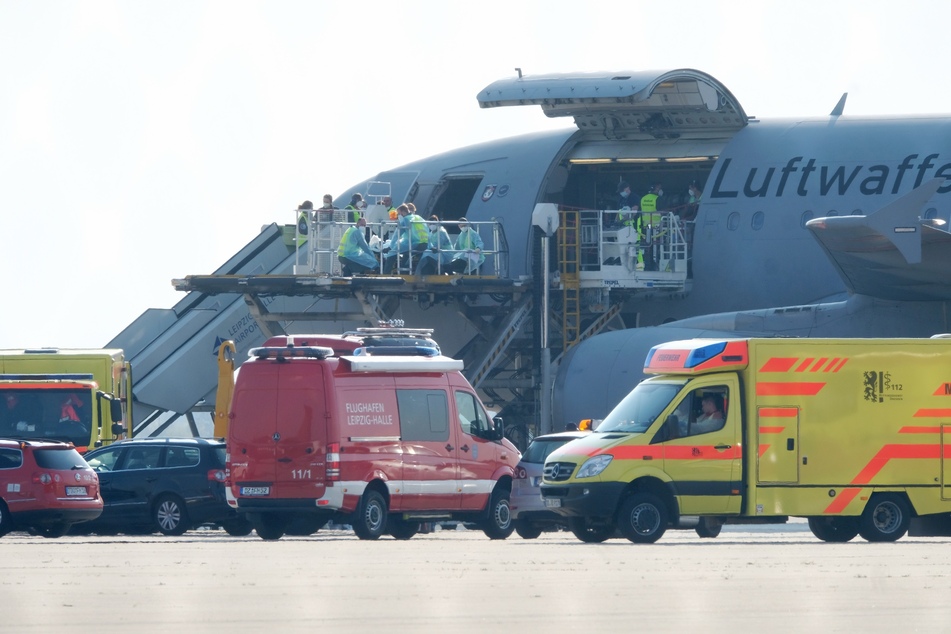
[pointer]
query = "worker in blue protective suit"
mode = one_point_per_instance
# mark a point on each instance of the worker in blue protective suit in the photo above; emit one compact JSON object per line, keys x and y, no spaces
{"x":354,"y":253}
{"x":469,"y":256}
{"x":413,"y":238}
{"x":438,"y":256}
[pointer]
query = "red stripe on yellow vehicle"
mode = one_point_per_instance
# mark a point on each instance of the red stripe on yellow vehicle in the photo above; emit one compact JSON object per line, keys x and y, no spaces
{"x":788,"y":389}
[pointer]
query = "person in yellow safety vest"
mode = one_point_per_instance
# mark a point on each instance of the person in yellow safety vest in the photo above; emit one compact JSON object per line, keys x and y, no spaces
{"x":651,"y":220}
{"x":303,"y":221}
{"x":354,"y":253}
{"x":355,"y":208}
{"x":413,"y":237}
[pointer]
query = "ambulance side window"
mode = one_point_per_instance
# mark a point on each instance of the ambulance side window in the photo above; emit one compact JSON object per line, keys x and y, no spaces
{"x":424,"y":414}
{"x":708,"y":408}
{"x":472,"y":417}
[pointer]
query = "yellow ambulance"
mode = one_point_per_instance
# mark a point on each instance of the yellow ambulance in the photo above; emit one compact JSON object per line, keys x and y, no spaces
{"x":82,"y":396}
{"x":852,"y":434}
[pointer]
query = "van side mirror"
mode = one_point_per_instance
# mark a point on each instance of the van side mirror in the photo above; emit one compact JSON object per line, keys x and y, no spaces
{"x":497,"y":429}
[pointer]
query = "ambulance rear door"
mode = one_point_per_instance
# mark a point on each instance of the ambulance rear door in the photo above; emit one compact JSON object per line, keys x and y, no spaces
{"x":279,"y":429}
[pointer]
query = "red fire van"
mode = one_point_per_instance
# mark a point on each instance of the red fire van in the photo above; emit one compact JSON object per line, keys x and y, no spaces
{"x":373,"y":428}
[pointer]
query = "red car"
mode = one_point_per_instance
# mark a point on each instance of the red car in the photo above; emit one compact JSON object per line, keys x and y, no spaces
{"x":45,"y":487}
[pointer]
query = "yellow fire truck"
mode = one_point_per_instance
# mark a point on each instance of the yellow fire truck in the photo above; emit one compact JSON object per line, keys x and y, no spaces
{"x":852,"y":434}
{"x":78,"y":396}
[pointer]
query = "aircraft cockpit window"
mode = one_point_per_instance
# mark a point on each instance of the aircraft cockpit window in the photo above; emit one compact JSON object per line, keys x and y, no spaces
{"x":733,"y":221}
{"x":757,"y":221}
{"x":806,"y":217}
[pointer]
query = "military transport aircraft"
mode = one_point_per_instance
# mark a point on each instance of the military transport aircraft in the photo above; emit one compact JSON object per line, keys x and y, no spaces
{"x":822,"y":226}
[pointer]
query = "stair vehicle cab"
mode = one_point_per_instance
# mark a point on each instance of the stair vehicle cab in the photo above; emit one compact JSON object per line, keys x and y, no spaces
{"x":373,"y":428}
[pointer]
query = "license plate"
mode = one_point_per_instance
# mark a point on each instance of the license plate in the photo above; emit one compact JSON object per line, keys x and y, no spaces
{"x":255,"y":490}
{"x":553,"y":502}
{"x":76,"y":491}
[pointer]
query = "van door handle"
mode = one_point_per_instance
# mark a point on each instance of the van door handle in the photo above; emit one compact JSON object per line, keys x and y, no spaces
{"x":283,"y":459}
{"x":449,"y":447}
{"x":722,"y":447}
{"x":464,"y":448}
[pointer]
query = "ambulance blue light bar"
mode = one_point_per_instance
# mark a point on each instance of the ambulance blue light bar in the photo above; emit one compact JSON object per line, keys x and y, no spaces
{"x":696,"y":355}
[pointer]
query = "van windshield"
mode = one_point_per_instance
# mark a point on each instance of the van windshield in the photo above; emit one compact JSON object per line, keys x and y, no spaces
{"x":640,"y":408}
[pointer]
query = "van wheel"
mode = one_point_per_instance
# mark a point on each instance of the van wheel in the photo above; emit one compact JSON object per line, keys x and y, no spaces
{"x":590,"y":533}
{"x":497,"y":522}
{"x":237,"y":527}
{"x":836,"y":530}
{"x":170,"y":516}
{"x":642,"y":518}
{"x":6,"y":522}
{"x":885,"y":519}
{"x":709,"y":527}
{"x":369,"y":520}
{"x":53,"y":531}
{"x":527,"y":530}
{"x":400,"y":528}
{"x":270,"y":526}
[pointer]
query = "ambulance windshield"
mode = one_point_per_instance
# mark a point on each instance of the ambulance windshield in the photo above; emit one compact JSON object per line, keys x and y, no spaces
{"x":640,"y":408}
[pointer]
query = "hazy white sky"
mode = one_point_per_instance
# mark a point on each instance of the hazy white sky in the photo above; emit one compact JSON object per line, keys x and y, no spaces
{"x":145,"y":141}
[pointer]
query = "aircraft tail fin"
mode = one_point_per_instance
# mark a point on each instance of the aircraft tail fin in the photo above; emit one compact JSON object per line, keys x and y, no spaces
{"x":839,"y":107}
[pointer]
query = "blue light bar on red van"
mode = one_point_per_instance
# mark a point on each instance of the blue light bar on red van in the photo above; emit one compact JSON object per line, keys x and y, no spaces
{"x":392,"y":351}
{"x":415,"y":363}
{"x":305,"y":352}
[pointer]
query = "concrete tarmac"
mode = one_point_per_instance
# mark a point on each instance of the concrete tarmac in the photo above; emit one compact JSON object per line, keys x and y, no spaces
{"x":773,"y":579}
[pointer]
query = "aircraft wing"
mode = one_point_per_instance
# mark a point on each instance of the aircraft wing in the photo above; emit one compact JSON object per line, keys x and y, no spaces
{"x":892,"y":253}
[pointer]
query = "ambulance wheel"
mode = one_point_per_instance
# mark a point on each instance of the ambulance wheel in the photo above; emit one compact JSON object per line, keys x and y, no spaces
{"x":834,"y":529}
{"x":369,"y":520}
{"x":885,"y":519}
{"x":497,"y":522}
{"x":400,"y":528}
{"x":527,"y":530}
{"x":590,"y":533}
{"x":709,"y":527}
{"x":642,"y":518}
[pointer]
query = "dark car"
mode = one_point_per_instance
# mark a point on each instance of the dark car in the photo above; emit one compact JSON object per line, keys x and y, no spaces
{"x":164,"y":484}
{"x":45,"y":487}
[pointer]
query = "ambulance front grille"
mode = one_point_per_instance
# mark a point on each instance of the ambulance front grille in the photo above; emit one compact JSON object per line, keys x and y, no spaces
{"x":558,"y":471}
